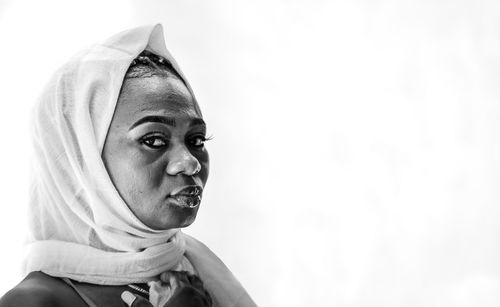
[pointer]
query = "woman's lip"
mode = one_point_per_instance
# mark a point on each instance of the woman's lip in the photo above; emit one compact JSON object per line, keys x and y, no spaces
{"x":190,"y":190}
{"x":185,"y":201}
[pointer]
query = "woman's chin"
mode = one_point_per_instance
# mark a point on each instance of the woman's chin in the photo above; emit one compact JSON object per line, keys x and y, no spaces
{"x":176,"y":218}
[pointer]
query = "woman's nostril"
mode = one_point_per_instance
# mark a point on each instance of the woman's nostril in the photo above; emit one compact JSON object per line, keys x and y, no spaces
{"x":197,"y":169}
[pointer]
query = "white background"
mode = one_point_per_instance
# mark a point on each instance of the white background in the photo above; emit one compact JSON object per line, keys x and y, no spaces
{"x":356,"y":150}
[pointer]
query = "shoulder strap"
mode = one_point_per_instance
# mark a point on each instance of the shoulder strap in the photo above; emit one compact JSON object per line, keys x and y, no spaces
{"x":82,"y":295}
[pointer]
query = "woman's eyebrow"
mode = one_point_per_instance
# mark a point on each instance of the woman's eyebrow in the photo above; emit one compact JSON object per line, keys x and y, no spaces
{"x":169,"y":121}
{"x":197,"y":122}
{"x":155,"y":119}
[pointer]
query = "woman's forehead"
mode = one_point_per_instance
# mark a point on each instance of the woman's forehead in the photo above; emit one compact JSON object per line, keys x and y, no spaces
{"x":160,"y":94}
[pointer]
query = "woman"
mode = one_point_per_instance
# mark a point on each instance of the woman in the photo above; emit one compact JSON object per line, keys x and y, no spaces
{"x":119,"y":166}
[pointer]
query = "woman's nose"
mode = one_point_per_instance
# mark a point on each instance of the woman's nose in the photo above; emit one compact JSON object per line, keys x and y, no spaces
{"x":181,"y":161}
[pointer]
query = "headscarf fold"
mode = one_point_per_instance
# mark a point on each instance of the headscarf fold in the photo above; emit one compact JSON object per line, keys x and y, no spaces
{"x":80,"y":227}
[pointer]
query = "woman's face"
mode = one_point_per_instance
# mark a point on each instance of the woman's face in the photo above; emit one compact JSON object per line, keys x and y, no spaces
{"x":154,"y":151}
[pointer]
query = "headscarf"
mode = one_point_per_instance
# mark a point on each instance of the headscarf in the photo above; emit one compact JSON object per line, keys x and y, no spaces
{"x":79,"y":226}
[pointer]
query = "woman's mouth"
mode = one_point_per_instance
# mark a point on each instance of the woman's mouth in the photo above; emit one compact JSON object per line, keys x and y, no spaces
{"x":187,"y":197}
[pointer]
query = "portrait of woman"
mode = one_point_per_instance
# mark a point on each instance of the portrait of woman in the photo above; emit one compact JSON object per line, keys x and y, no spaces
{"x":240,"y":153}
{"x":120,"y":166}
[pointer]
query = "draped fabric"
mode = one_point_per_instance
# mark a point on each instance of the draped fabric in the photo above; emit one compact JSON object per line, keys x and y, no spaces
{"x":80,"y":227}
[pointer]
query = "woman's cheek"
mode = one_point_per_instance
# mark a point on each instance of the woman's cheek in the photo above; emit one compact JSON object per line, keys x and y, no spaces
{"x":205,"y":168}
{"x":153,"y":174}
{"x":202,"y":156}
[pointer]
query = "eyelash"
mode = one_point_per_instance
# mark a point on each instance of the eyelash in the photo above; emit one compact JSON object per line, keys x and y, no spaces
{"x":158,"y":135}
{"x":203,"y":139}
{"x":153,"y":136}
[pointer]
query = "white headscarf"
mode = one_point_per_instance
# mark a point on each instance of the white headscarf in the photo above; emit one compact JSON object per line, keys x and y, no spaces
{"x":80,"y":227}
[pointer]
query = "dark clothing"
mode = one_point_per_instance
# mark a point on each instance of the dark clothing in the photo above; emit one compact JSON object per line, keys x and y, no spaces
{"x":41,"y":290}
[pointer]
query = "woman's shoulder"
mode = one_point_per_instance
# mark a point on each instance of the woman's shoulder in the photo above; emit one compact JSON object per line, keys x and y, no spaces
{"x":41,"y":290}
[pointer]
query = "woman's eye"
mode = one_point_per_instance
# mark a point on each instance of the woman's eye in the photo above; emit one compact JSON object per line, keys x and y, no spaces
{"x":198,"y":141}
{"x":154,"y":141}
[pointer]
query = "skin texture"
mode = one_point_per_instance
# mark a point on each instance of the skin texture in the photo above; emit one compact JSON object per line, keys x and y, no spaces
{"x":151,"y":160}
